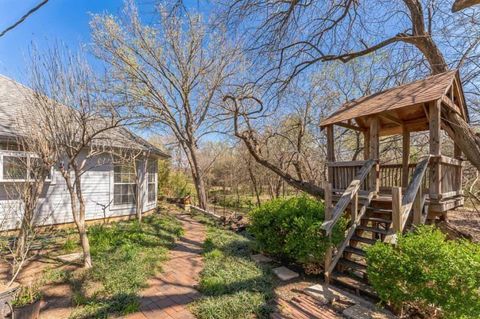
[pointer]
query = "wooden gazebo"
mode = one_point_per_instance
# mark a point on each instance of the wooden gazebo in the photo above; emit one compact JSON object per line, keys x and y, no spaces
{"x":370,"y":191}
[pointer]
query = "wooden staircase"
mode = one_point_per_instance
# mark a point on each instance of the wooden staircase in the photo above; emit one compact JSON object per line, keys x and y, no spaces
{"x":380,"y":218}
{"x":375,"y":225}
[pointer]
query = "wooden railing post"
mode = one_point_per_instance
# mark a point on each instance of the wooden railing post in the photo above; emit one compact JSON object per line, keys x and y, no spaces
{"x":417,"y":207}
{"x":328,"y":216}
{"x":397,"y":209}
{"x":354,"y":207}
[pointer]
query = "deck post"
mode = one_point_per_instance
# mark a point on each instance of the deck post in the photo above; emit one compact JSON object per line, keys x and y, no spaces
{"x":374,"y":153}
{"x":457,"y":154}
{"x":366,"y":144}
{"x":397,"y":209}
{"x":354,"y":207}
{"x":328,"y":215}
{"x":405,"y":155}
{"x":417,"y":208}
{"x":435,"y":149}
{"x":330,"y":151}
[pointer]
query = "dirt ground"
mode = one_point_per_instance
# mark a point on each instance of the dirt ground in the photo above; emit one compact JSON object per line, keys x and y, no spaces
{"x":56,"y":297}
{"x":467,"y":221}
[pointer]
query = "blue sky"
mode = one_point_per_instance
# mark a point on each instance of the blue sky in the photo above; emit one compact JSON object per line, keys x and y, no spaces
{"x":62,"y":20}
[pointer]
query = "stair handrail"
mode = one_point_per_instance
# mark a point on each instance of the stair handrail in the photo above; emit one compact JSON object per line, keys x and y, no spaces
{"x":413,"y":193}
{"x":330,"y":266}
{"x":347,"y":196}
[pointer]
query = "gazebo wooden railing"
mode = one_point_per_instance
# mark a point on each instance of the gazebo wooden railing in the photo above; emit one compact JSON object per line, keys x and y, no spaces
{"x":390,"y":175}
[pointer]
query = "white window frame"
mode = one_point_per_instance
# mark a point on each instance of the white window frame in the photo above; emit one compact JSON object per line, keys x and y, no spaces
{"x":155,"y":183}
{"x":112,"y":190}
{"x":28,"y":155}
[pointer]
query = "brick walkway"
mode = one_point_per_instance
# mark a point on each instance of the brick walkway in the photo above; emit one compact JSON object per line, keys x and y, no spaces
{"x":302,"y":307}
{"x":170,"y":292}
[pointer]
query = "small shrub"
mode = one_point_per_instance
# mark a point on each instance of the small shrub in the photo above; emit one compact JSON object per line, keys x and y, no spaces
{"x":27,"y":295}
{"x":292,"y":228}
{"x":70,"y":245}
{"x":425,"y":270}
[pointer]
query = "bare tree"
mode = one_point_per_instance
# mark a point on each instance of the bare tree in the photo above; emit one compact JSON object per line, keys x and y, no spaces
{"x":73,"y":116}
{"x":290,"y":37}
{"x":170,"y":72}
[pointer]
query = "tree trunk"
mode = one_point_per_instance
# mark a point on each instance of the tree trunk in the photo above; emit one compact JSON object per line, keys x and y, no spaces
{"x":138,"y":199}
{"x":254,"y":181}
{"x":191,"y":151}
{"x":82,"y":231}
{"x":78,"y":211}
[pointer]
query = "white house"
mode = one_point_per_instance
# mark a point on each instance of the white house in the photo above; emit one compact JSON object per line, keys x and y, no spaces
{"x":109,"y":188}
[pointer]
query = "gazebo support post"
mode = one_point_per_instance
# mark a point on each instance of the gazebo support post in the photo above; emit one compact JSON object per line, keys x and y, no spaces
{"x":405,"y":155}
{"x":330,"y":151}
{"x":374,"y":152}
{"x":435,"y":149}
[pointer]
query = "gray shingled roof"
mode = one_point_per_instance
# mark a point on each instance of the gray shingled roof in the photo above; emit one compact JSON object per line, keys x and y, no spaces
{"x":14,"y":103}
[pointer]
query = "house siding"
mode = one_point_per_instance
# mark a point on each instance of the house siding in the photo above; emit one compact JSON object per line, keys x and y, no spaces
{"x":54,"y":204}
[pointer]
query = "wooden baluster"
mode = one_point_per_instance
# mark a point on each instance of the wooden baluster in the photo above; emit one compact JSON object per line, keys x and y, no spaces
{"x":397,"y":209}
{"x":328,"y":215}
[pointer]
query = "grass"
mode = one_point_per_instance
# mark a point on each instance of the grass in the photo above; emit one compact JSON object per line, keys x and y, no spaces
{"x":233,"y":285}
{"x":125,"y":255}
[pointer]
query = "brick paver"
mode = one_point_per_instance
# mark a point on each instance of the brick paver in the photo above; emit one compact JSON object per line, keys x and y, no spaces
{"x":169,"y":293}
{"x":302,"y":306}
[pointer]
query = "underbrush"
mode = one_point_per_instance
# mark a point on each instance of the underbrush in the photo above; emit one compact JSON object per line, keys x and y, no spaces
{"x":124,"y":255}
{"x":427,"y":272}
{"x":233,"y":286}
{"x":292,"y":228}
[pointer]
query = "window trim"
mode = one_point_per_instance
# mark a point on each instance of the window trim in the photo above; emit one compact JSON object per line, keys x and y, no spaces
{"x":28,"y":155}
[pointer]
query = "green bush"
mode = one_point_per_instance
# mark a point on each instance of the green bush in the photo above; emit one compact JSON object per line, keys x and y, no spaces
{"x":292,"y":228}
{"x":426,"y":270}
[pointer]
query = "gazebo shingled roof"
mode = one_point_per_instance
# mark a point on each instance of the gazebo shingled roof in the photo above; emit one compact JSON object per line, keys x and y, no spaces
{"x":401,"y":104}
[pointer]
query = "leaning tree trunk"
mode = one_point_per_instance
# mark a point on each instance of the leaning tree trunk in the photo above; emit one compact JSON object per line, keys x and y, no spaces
{"x":200,"y":189}
{"x":456,"y":126}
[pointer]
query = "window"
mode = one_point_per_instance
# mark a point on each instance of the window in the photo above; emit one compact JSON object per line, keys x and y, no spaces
{"x":152,"y":181}
{"x":124,"y":186}
{"x":15,"y":167}
{"x":21,"y":166}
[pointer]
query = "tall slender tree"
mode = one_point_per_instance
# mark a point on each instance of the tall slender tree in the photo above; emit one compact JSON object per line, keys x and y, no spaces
{"x":170,"y":73}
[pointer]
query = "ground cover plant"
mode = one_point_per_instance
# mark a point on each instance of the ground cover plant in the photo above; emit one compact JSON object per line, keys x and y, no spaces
{"x":125,"y":254}
{"x":233,"y":285}
{"x":291,"y":227}
{"x":427,"y":271}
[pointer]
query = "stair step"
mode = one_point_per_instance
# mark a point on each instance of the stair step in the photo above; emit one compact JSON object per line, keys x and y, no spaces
{"x":358,"y":285}
{"x":356,"y":251}
{"x":377,"y":220}
{"x":373,"y":229}
{"x":352,"y":265}
{"x":363,"y":240}
{"x":379,"y":210}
